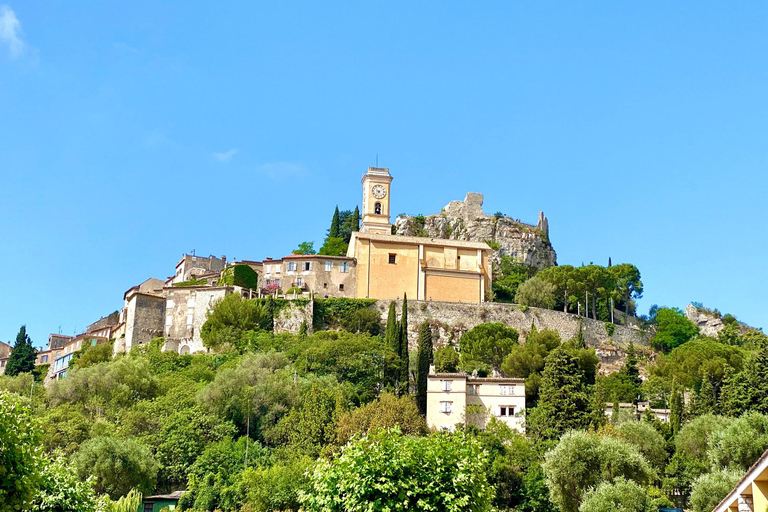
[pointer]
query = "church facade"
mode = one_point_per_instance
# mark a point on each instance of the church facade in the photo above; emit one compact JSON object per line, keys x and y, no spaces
{"x":390,"y":266}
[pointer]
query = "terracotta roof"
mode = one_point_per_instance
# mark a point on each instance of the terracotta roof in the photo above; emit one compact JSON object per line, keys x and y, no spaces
{"x":315,"y":257}
{"x":462,"y":375}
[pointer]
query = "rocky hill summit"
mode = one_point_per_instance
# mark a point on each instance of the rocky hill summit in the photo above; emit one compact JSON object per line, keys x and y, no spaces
{"x":465,"y":220}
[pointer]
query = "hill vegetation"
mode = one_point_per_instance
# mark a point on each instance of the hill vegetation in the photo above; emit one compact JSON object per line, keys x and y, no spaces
{"x":334,"y":419}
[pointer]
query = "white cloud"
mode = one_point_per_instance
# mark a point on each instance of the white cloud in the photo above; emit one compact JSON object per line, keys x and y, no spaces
{"x":279,"y":171}
{"x":10,"y":32}
{"x":225,"y":156}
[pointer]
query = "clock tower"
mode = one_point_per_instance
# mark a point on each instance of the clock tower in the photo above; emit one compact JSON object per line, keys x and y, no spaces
{"x":376,"y":185}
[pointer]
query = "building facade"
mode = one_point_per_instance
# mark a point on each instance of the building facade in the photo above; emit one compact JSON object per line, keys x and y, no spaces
{"x":458,"y":398}
{"x":325,"y":276}
{"x":194,"y":266}
{"x":186,"y":310}
{"x":390,"y":266}
{"x":63,"y":355}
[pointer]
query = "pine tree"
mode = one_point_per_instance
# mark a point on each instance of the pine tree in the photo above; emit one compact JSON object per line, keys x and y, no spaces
{"x":677,"y":409}
{"x":334,"y":231}
{"x":22,"y":358}
{"x":563,"y":403}
{"x":704,"y":401}
{"x":425,"y":360}
{"x":403,"y":348}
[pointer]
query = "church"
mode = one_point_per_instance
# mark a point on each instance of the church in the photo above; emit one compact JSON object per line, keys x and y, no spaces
{"x":390,"y":266}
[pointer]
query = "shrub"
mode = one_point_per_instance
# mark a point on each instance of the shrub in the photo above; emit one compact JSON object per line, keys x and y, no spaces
{"x":711,"y":488}
{"x":385,"y":412}
{"x":618,"y":496}
{"x":117,"y":465}
{"x":446,"y":359}
{"x":536,"y":292}
{"x":363,"y":321}
{"x":330,"y":312}
{"x":19,"y":459}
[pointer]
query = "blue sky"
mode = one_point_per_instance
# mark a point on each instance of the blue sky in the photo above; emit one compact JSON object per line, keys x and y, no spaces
{"x":132,"y":133}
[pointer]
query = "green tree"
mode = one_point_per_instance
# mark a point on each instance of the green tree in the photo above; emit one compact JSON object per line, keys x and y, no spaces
{"x":305,"y":248}
{"x":563,"y":404}
{"x":117,"y":465}
{"x":679,"y":476}
{"x":582,"y":460}
{"x":565,"y":279}
{"x":403,"y":347}
{"x":629,"y":287}
{"x":527,"y":361}
{"x":276,"y":487}
{"x":536,"y":292}
{"x":710,"y":489}
{"x":446,"y":359}
{"x":400,"y":473}
{"x":363,"y":321}
{"x":231,"y":319}
{"x":736,"y":393}
{"x":20,"y":464}
{"x":598,"y":282}
{"x":333,"y":232}
{"x":425,"y":360}
{"x":334,"y":247}
{"x":672,"y":329}
{"x":22,"y":358}
{"x":508,"y":275}
{"x":620,"y":495}
{"x":630,"y":366}
{"x":693,"y":438}
{"x":392,"y":339}
{"x":62,"y":490}
{"x":648,"y":441}
{"x":387,"y":411}
{"x":740,"y":443}
{"x":486,"y":344}
{"x":757,"y":375}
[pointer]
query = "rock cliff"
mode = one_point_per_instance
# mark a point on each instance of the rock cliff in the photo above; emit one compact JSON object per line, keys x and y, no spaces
{"x":465,"y":220}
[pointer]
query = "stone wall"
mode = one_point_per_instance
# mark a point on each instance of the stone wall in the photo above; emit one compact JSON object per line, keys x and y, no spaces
{"x":144,"y":319}
{"x":451,"y":320}
{"x":289,"y":318}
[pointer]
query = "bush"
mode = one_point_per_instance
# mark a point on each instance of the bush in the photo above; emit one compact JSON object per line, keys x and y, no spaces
{"x":582,"y":460}
{"x":673,"y":329}
{"x":363,"y":321}
{"x":740,"y":443}
{"x":486,"y":344}
{"x":387,"y":411}
{"x":330,"y":312}
{"x":537,"y":293}
{"x":117,"y":465}
{"x":694,"y":436}
{"x":231,"y":318}
{"x":277,"y":487}
{"x":19,"y":457}
{"x":446,"y":359}
{"x":618,"y":496}
{"x":710,"y":489}
{"x":390,"y":471}
{"x":240,"y":275}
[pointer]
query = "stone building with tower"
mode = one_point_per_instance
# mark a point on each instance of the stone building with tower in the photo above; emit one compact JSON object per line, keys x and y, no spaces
{"x":390,"y":266}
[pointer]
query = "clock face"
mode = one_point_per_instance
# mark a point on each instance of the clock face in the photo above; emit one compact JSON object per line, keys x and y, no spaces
{"x":378,"y":191}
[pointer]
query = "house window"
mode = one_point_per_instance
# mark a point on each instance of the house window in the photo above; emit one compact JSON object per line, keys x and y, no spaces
{"x":446,"y":407}
{"x":148,"y":507}
{"x":345,"y":267}
{"x":307,"y":266}
{"x":507,"y":390}
{"x":45,"y":359}
{"x":341,"y":287}
{"x":327,"y":266}
{"x":2,"y":363}
{"x":299,"y":282}
{"x":291,"y":266}
{"x":472,"y":389}
{"x":506,"y":410}
{"x":392,"y":258}
{"x":325,"y":285}
{"x":446,"y":385}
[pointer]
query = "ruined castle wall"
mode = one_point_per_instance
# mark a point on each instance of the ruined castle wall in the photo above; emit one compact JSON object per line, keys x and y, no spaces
{"x":289,"y":318}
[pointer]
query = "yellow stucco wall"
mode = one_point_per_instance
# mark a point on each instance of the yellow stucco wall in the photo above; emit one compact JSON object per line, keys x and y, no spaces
{"x":452,"y":288}
{"x":379,"y":279}
{"x":759,"y":495}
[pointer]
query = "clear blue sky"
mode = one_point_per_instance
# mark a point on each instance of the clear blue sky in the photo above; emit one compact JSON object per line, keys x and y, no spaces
{"x":132,"y":133}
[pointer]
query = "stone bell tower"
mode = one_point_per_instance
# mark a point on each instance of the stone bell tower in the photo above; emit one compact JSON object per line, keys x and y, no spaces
{"x":376,"y":186}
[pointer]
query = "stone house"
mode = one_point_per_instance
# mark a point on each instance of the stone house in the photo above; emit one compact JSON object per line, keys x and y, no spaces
{"x":143,"y":315}
{"x":325,"y":276}
{"x":194,"y":266}
{"x":5,"y":353}
{"x":63,"y":355}
{"x":186,"y":309}
{"x":458,"y":398}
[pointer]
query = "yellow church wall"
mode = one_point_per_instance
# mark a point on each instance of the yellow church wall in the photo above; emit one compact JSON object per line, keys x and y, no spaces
{"x":759,"y":495}
{"x":452,"y":288}
{"x":377,"y":278}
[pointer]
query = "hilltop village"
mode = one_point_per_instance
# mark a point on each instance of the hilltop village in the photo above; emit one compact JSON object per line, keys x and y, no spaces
{"x":246,"y":385}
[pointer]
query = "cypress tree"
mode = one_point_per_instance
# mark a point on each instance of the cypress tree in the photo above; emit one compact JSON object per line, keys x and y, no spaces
{"x":22,"y":358}
{"x":580,"y":341}
{"x":615,"y":412}
{"x":757,"y":376}
{"x":392,"y":340}
{"x":677,"y":409}
{"x":334,"y":231}
{"x":425,"y":359}
{"x":630,"y":367}
{"x":356,"y":219}
{"x":735,"y":394}
{"x":563,"y":403}
{"x":404,"y":347}
{"x":704,"y":401}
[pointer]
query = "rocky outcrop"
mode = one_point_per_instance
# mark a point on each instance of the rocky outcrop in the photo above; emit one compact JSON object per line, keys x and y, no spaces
{"x":465,"y":220}
{"x":710,"y":322}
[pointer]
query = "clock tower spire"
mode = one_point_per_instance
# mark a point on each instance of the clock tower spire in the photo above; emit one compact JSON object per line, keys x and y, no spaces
{"x":376,"y":186}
